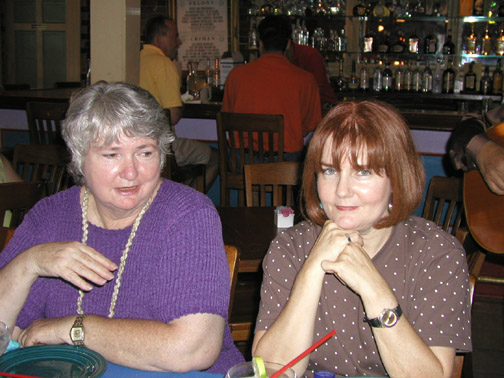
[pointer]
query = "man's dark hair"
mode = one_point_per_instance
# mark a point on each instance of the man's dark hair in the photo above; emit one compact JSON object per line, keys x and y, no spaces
{"x":156,"y":25}
{"x":275,"y":32}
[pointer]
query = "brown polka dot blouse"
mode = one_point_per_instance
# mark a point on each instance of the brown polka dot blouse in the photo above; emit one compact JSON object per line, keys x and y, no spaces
{"x":425,"y":267}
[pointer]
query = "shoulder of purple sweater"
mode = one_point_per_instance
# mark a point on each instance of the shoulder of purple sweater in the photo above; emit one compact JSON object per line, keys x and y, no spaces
{"x":179,"y":197}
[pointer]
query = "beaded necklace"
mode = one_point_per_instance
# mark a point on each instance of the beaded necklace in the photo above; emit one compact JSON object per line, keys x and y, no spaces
{"x":124,"y":256}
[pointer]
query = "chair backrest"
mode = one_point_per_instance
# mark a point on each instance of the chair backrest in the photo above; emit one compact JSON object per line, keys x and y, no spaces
{"x":234,"y":131}
{"x":44,"y":121}
{"x":444,"y":203}
{"x":5,"y":236}
{"x":18,"y":198}
{"x":43,"y":163}
{"x":233,"y":256}
{"x":460,"y":357}
{"x":279,"y":179}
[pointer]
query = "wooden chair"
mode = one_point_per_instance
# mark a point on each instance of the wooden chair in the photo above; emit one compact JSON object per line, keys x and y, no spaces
{"x":44,"y":121}
{"x":18,"y":198}
{"x":240,"y":331}
{"x":233,"y":256}
{"x":279,"y":179}
{"x":45,"y":162}
{"x":236,"y":151}
{"x":192,"y":174}
{"x":6,"y":234}
{"x":444,"y":203}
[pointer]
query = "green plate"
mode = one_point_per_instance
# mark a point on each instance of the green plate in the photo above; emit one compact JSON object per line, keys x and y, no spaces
{"x":54,"y":361}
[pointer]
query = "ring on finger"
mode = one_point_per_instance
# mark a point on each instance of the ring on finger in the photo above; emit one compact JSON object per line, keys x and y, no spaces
{"x":348,"y":238}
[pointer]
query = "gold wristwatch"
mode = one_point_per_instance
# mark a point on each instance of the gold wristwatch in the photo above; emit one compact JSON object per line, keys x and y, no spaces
{"x":77,"y":331}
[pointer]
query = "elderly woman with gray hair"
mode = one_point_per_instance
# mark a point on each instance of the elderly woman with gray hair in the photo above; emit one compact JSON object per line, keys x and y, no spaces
{"x":127,"y":264}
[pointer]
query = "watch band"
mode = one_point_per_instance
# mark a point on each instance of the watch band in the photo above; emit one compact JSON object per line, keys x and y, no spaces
{"x":77,"y":331}
{"x":388,"y":318}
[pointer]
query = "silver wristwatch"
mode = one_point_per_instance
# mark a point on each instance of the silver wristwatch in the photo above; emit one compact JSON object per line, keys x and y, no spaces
{"x":388,"y":318}
{"x":77,"y":331}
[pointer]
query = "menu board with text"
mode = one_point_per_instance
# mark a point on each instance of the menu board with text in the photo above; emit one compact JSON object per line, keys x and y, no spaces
{"x":203,"y":30}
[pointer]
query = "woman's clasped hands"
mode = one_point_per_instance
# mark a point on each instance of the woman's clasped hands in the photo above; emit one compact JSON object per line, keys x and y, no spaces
{"x":346,"y":259}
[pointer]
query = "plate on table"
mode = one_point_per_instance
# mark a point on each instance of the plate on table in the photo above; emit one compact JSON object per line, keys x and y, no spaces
{"x":54,"y":361}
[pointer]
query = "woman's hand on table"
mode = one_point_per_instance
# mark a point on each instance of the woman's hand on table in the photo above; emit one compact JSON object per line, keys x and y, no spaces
{"x":47,"y":331}
{"x":72,"y":261}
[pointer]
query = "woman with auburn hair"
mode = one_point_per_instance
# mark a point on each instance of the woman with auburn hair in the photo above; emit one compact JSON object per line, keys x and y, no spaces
{"x":395,"y":287}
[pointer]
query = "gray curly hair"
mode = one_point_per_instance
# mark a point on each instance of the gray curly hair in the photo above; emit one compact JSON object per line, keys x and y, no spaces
{"x":106,"y":111}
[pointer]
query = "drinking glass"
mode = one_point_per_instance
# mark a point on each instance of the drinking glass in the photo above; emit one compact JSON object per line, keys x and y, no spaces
{"x":4,"y":337}
{"x":246,"y":370}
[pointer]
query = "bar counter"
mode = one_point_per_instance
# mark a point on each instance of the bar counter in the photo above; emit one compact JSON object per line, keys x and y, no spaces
{"x":436,"y":112}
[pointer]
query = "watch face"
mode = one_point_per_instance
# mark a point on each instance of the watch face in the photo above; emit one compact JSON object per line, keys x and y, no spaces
{"x":77,"y":334}
{"x":389,"y":318}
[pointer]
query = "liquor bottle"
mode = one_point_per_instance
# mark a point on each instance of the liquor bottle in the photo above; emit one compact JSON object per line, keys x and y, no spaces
{"x":377,"y":79}
{"x":486,"y":82}
{"x":331,"y":46}
{"x":400,"y":45}
{"x":209,"y":74}
{"x":380,"y":10}
{"x":368,"y":43}
{"x":437,"y":78}
{"x":364,"y":78}
{"x":449,"y":46}
{"x":499,"y":45}
{"x":192,"y":78}
{"x":360,"y":10}
{"x":427,"y":79}
{"x":417,"y":78}
{"x":471,"y":42}
{"x":486,"y":43}
{"x":408,"y":78}
{"x":387,"y":79}
{"x":253,"y":40}
{"x":431,"y":44}
{"x":342,"y":41}
{"x":384,"y":45}
{"x":470,"y":79}
{"x":449,"y":78}
{"x":399,"y":79}
{"x":216,"y":73}
{"x":340,"y":83}
{"x":413,"y":44}
{"x":353,"y":82}
{"x":497,"y":79}
{"x":478,"y":7}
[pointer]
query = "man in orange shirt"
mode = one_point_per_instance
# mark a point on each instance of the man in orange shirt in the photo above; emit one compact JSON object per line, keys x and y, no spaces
{"x":273,"y":85}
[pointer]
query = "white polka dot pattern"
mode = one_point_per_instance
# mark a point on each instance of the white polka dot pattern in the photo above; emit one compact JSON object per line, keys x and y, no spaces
{"x":425,"y":267}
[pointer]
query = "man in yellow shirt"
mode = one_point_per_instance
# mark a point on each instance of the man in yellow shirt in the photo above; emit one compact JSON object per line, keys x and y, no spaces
{"x":161,"y":77}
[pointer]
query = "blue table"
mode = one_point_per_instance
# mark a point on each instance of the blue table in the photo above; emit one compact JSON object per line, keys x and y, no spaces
{"x":115,"y":371}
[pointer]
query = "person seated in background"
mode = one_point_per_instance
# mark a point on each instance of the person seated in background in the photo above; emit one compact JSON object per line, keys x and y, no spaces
{"x":310,"y":59}
{"x":273,"y":85}
{"x":161,"y":77}
{"x":394,"y":286}
{"x":469,"y":147}
{"x":127,"y":264}
{"x":7,"y":171}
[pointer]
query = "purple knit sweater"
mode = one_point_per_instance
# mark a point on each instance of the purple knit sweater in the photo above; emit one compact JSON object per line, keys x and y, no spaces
{"x":176,"y":265}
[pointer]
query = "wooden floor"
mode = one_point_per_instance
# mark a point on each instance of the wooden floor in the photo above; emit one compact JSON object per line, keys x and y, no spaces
{"x":486,"y":361}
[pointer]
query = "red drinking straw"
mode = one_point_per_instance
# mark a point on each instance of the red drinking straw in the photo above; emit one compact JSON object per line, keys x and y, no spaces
{"x":305,"y":353}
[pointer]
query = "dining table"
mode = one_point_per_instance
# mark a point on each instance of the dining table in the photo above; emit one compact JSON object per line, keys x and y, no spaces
{"x":251,"y":230}
{"x":115,"y":371}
